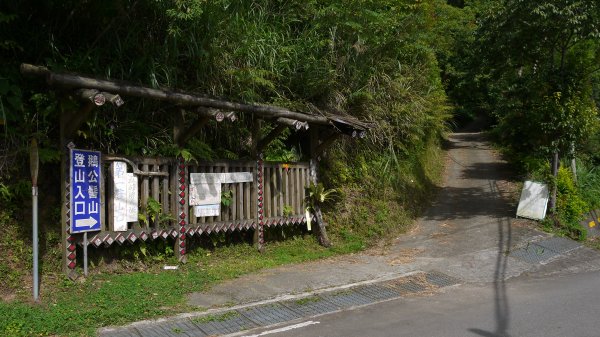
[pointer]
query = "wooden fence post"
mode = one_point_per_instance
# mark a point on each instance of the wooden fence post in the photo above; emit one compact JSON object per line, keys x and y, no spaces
{"x":182,"y":206}
{"x":320,"y":228}
{"x":257,"y":187}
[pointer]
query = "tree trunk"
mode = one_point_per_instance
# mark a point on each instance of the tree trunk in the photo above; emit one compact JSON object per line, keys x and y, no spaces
{"x":320,"y":228}
{"x":555,"y":164}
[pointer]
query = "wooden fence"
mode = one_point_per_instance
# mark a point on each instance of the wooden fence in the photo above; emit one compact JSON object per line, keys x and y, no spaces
{"x":282,"y":189}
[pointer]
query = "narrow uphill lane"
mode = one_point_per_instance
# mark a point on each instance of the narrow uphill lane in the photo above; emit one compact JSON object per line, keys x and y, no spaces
{"x":472,"y":219}
{"x":468,"y":268}
{"x":514,"y":279}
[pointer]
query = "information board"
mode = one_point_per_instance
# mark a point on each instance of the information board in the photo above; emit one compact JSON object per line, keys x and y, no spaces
{"x":205,"y":190}
{"x":125,"y":201}
{"x":85,"y":191}
{"x":534,"y":201}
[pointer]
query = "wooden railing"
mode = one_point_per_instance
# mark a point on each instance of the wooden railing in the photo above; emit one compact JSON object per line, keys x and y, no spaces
{"x":243,"y":203}
{"x":283,"y":189}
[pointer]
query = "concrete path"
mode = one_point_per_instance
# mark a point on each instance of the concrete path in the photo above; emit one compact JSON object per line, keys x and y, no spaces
{"x":469,"y":234}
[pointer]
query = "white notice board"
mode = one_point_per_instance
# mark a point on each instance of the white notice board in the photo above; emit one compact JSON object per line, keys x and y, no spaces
{"x":205,"y":190}
{"x":534,"y":201}
{"x":125,"y":187}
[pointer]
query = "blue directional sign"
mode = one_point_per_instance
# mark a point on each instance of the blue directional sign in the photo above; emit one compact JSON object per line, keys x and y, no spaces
{"x":85,"y":191}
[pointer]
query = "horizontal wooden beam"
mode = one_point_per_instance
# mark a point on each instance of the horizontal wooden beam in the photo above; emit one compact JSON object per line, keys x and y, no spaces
{"x":77,"y":81}
{"x":297,"y":125}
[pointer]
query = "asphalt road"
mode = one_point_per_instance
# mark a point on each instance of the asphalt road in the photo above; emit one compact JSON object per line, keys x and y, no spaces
{"x":468,"y":231}
{"x":555,"y":306}
{"x":469,"y":234}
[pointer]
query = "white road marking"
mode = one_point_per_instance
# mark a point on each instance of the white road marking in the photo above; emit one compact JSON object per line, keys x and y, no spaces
{"x":287,"y":328}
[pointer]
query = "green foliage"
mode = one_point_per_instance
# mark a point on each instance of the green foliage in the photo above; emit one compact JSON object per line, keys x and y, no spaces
{"x":155,"y":212}
{"x":380,"y":199}
{"x":227,"y":198}
{"x":536,"y":64}
{"x":588,"y":183}
{"x":15,"y":263}
{"x":374,"y":60}
{"x":316,"y":195}
{"x":570,"y":207}
{"x":216,"y":318}
{"x":127,"y":295}
{"x":287,"y":210}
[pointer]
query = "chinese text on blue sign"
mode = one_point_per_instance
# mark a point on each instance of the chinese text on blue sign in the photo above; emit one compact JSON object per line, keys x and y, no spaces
{"x":85,"y":191}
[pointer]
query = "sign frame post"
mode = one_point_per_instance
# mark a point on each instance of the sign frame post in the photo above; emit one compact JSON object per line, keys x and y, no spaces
{"x":85,"y":176}
{"x":34,"y":163}
{"x":86,"y":179}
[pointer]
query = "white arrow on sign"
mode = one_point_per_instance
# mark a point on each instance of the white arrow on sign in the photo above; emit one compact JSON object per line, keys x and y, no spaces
{"x":91,"y":222}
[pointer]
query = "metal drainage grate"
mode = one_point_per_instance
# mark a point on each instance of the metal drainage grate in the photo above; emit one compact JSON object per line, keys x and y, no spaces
{"x":264,"y":315}
{"x":377,"y":292}
{"x":347,"y":299}
{"x":182,"y":328}
{"x":311,"y":306}
{"x":559,"y":245}
{"x":269,"y":314}
{"x":120,"y":333}
{"x":440,"y":280}
{"x":533,"y":253}
{"x":407,"y":285}
{"x":229,"y":322}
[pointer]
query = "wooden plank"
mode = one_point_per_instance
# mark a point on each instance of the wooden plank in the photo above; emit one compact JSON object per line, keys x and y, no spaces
{"x":224,"y":216}
{"x":267,"y":192}
{"x":280,"y":173}
{"x":248,"y":196}
{"x":290,"y":189}
{"x":144,"y":194}
{"x":234,"y":204}
{"x":240,"y":198}
{"x":174,"y":186}
{"x":155,"y":191}
{"x":299,"y":190}
{"x":273,"y":186}
{"x":286,"y":187}
{"x":164,"y":193}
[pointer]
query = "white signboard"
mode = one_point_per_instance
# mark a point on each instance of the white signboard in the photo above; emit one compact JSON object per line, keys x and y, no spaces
{"x":207,"y":210}
{"x":534,"y":201}
{"x":223,"y":178}
{"x":125,"y":187}
{"x":204,"y":193}
{"x":205,"y":190}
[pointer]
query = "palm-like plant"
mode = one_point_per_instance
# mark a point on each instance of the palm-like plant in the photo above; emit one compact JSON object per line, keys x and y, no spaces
{"x":316,"y":195}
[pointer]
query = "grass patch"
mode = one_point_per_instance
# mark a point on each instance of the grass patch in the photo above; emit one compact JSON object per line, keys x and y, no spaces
{"x":306,"y":300}
{"x":133,"y":290}
{"x":79,"y":308}
{"x":216,"y":318}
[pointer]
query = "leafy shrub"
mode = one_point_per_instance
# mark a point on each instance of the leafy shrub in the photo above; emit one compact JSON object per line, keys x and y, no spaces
{"x":570,"y":207}
{"x":588,"y":181}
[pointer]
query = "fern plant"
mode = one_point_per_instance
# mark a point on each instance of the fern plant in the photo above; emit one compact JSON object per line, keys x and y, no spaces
{"x":316,"y":195}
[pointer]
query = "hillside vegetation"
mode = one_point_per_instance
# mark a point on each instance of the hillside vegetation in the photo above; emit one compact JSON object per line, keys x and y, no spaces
{"x":414,"y":68}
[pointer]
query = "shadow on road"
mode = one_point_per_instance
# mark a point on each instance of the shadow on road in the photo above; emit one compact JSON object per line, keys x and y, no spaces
{"x":501,"y":303}
{"x":468,"y":202}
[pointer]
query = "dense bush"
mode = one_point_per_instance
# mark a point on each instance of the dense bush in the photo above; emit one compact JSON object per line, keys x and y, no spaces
{"x":374,"y":60}
{"x":570,"y":207}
